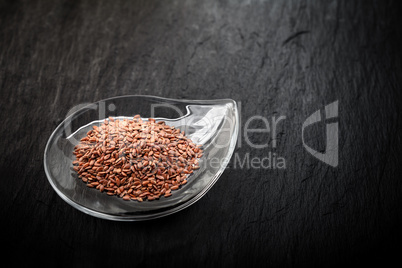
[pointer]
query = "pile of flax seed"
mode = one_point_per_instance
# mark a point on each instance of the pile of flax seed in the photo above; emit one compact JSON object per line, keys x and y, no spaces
{"x":136,"y":159}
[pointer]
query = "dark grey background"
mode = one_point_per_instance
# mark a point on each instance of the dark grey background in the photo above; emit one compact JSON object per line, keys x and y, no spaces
{"x":275,"y":58}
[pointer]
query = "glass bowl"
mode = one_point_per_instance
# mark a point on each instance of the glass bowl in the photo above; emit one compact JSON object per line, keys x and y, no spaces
{"x":212,"y":123}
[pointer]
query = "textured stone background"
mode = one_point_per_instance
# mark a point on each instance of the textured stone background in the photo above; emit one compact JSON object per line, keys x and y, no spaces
{"x":274,"y":58}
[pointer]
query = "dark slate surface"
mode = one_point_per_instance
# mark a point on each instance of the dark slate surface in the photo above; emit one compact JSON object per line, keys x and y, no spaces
{"x":275,"y":58}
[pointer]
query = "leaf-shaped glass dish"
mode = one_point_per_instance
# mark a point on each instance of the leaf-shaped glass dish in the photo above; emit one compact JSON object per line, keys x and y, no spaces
{"x":212,"y":123}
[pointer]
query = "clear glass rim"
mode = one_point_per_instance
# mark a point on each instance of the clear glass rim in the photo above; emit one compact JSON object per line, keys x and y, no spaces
{"x":156,"y":215}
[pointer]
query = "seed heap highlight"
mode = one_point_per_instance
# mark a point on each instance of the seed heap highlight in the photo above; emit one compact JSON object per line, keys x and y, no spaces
{"x":136,"y":159}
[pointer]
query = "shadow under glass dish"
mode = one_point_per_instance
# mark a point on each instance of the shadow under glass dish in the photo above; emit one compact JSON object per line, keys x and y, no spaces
{"x":212,"y":123}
